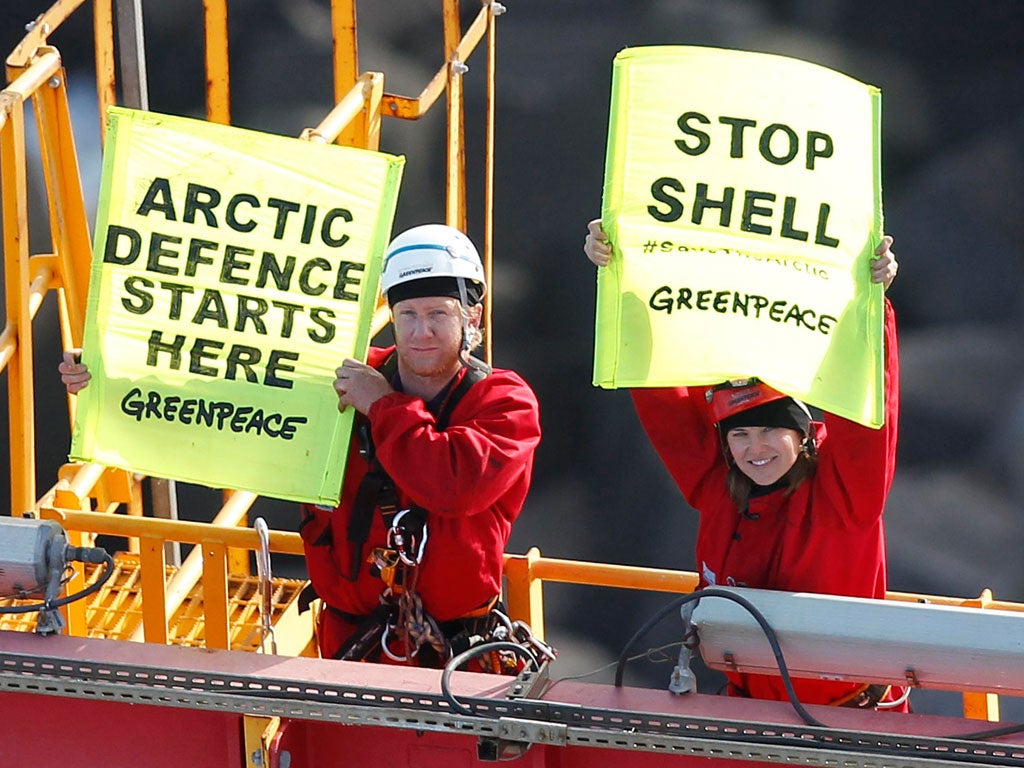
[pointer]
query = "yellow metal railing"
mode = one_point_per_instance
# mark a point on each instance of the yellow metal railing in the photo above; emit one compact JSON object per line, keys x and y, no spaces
{"x":162,"y":594}
{"x":525,"y":576}
{"x":28,"y":279}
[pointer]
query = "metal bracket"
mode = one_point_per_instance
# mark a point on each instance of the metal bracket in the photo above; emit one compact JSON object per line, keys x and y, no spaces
{"x":911,"y":677}
{"x":532,"y":731}
{"x":257,"y":733}
{"x":516,"y":736}
{"x":530,"y":685}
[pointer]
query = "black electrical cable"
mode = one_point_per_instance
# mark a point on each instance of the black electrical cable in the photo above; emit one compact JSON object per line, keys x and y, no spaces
{"x":758,"y":616}
{"x":673,"y":606}
{"x":478,"y":650}
{"x":81,"y":554}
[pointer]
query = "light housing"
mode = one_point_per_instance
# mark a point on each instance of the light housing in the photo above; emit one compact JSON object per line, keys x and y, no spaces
{"x":31,"y":551}
{"x":826,"y":637}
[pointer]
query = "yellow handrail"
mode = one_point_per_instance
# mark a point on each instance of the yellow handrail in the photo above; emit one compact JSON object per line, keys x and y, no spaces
{"x":523,"y":572}
{"x":206,"y":566}
{"x":184,"y":531}
{"x":525,"y":575}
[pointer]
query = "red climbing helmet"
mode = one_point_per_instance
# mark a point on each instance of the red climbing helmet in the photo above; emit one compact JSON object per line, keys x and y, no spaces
{"x":738,"y":395}
{"x":752,"y":403}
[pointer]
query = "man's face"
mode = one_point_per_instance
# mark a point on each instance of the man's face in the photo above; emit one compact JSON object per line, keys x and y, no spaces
{"x":428,"y":334}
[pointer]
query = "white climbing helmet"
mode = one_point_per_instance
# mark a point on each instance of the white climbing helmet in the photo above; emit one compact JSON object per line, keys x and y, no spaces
{"x":429,"y":251}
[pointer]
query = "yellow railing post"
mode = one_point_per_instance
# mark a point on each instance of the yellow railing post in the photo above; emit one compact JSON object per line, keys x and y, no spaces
{"x":68,"y":220}
{"x":154,"y":568}
{"x":72,"y":492}
{"x":981,"y":706}
{"x":455,"y":214}
{"x":103,"y":44}
{"x":215,"y":595}
{"x":489,"y":141}
{"x":218,"y":78}
{"x":20,"y":398}
{"x":346,"y":70}
{"x":371,"y":112}
{"x":524,"y":593}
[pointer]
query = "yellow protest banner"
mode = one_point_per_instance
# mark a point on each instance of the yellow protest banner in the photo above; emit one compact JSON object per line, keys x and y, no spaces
{"x":742,"y":196}
{"x":232,"y":272}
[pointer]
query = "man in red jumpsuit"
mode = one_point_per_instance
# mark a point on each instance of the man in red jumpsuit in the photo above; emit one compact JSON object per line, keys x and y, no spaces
{"x":456,"y":443}
{"x":785,"y":503}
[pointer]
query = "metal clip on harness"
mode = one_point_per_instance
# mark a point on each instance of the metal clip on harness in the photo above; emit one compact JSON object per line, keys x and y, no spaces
{"x":403,"y":541}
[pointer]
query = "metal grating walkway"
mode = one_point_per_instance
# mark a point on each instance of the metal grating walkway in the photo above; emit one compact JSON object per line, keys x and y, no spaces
{"x":115,"y":611}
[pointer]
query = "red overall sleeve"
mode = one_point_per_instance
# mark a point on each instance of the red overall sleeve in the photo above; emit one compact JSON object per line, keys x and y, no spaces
{"x":472,"y":464}
{"x":678,"y":424}
{"x":858,"y":463}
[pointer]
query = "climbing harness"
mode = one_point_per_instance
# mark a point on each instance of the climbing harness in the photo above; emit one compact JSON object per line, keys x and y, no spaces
{"x":400,"y":628}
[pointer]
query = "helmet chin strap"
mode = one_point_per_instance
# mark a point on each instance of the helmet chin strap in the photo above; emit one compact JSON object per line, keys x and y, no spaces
{"x":465,"y":354}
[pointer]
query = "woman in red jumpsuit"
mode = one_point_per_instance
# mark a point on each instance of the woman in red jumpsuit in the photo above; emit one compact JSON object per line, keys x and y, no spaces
{"x":785,"y":503}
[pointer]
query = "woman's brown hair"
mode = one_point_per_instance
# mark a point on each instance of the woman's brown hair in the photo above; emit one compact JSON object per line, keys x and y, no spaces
{"x":740,"y":486}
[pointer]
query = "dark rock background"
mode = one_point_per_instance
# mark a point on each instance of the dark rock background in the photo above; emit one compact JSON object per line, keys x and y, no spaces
{"x":952,"y":77}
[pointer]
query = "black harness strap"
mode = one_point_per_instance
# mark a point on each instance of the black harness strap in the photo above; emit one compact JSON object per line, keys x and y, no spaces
{"x":375,"y":490}
{"x":473,"y":375}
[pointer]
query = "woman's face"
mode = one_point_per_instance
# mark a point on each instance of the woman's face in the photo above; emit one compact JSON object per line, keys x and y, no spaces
{"x":764,"y":454}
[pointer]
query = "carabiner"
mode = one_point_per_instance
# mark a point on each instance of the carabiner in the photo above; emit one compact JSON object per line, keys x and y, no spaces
{"x":402,"y":540}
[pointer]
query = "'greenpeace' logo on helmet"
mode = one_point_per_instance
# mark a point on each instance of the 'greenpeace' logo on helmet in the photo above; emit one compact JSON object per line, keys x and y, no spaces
{"x":742,"y":397}
{"x":417,"y":271}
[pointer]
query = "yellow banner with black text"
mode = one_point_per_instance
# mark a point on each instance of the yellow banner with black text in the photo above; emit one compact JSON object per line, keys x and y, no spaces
{"x":742,"y":197}
{"x":232,"y":272}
